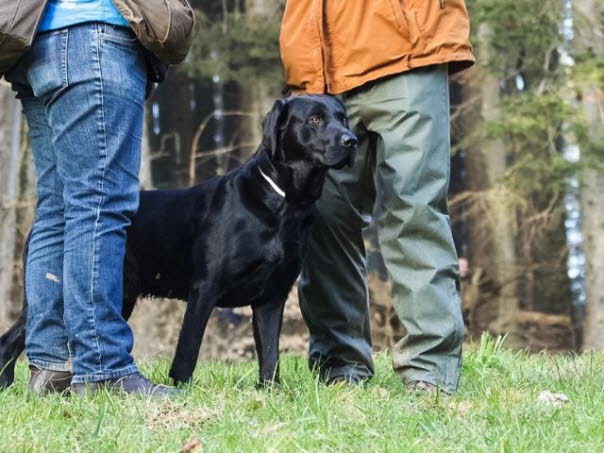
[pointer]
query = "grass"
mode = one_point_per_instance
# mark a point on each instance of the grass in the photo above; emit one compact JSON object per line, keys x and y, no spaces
{"x":496,"y":409}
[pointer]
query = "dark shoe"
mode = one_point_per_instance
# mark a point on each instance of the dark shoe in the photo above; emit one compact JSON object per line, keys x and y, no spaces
{"x":43,"y":382}
{"x":422,"y":387}
{"x":133,"y":384}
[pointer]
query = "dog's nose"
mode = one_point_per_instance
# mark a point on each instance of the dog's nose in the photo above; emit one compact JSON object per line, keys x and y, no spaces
{"x":348,"y":140}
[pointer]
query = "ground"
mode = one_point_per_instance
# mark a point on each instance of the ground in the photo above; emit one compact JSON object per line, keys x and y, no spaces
{"x":499,"y":407}
{"x":156,"y":324}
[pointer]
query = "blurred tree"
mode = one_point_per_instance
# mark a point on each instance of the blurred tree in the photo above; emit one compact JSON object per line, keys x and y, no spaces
{"x":10,"y":155}
{"x":17,"y":201}
{"x":590,"y":72}
{"x":516,"y":109}
{"x":259,"y":93}
{"x":492,"y":250}
{"x":241,"y":44}
{"x":242,"y":47}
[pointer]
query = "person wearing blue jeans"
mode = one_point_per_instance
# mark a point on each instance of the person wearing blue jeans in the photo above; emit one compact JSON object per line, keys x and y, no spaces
{"x":82,"y":87}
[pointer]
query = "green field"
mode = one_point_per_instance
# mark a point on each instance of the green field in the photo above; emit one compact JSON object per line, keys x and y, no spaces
{"x":496,"y":409}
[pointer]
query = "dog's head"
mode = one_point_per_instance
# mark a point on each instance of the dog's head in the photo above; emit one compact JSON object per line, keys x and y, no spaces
{"x":309,"y":128}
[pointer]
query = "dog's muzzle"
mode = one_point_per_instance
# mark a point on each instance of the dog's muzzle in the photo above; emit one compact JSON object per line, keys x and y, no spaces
{"x":349,"y":142}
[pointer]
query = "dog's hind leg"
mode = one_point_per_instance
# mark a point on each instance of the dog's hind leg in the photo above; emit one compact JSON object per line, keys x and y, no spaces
{"x":267,"y":320}
{"x":128,"y":308}
{"x":12,"y":344}
{"x":194,"y":324}
{"x":131,"y":283}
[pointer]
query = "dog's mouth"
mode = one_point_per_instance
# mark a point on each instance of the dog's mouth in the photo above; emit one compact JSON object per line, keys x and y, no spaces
{"x":344,"y":159}
{"x":335,"y":157}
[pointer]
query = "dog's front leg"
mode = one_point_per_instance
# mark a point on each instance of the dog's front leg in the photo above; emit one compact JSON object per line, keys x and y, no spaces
{"x":196,"y":317}
{"x":267,"y":319}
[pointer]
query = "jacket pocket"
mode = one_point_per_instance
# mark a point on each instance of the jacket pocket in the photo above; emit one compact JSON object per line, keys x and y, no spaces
{"x":399,"y":17}
{"x":406,"y":15}
{"x":121,"y":36}
{"x":426,"y":15}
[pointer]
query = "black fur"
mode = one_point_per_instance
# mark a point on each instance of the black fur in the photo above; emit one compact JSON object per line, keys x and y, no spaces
{"x":233,"y":240}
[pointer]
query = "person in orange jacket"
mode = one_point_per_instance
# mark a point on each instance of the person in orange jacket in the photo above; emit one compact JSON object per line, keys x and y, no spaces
{"x":389,"y":62}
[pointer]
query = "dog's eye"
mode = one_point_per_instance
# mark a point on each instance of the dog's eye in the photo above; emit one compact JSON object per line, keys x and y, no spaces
{"x":315,"y":120}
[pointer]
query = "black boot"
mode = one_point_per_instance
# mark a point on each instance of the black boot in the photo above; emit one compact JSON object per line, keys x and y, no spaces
{"x":134,"y":384}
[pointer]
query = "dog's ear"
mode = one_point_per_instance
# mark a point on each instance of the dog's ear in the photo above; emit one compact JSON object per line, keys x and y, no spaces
{"x":271,"y":127}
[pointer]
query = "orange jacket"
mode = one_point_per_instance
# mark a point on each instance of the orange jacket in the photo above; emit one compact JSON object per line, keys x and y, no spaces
{"x":332,"y":46}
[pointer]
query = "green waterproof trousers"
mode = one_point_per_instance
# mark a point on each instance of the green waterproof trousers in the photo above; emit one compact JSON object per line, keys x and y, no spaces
{"x":402,"y":123}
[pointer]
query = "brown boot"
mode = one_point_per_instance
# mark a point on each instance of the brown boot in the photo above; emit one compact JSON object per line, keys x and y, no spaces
{"x":422,"y":387}
{"x":43,"y":382}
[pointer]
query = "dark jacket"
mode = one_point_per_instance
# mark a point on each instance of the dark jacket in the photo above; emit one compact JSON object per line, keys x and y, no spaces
{"x":164,"y":27}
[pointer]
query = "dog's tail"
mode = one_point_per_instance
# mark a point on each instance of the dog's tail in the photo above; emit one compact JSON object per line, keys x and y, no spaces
{"x":12,"y":344}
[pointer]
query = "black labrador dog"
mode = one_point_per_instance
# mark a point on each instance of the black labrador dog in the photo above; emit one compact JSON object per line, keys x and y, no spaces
{"x":233,"y":240}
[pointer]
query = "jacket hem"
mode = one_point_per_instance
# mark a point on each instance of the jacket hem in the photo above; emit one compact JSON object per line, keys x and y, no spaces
{"x":462,"y":59}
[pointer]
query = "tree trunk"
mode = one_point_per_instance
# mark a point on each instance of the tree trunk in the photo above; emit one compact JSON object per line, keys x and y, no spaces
{"x":10,"y":155}
{"x":146,"y":179}
{"x":591,"y":37}
{"x":257,"y":95}
{"x":502,"y":219}
{"x":260,"y":7}
{"x":593,"y":232}
{"x":491,"y":222}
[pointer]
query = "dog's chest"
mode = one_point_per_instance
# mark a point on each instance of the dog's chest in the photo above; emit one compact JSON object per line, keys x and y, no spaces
{"x":257,"y":260}
{"x":274,"y":253}
{"x":265,"y":268}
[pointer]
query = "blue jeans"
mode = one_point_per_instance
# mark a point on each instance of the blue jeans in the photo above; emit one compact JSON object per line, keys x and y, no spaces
{"x":82,"y":89}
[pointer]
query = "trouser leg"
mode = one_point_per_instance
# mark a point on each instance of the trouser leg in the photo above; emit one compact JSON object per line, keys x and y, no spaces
{"x":46,"y":337}
{"x":333,"y":286}
{"x":98,"y":119}
{"x":46,"y":340}
{"x":410,"y":114}
{"x":91,"y":79}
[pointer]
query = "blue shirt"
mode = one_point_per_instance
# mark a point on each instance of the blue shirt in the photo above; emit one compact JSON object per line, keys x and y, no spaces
{"x":65,"y":13}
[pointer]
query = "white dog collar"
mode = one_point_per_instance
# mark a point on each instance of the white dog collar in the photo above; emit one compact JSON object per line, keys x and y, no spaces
{"x":273,"y":184}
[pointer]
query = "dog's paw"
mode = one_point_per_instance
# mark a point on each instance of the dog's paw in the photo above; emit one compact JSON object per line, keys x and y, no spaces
{"x":181,"y":383}
{"x":268,"y":383}
{"x":180,"y":378}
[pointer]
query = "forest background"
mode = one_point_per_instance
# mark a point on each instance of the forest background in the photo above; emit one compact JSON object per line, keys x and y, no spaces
{"x":527,"y":186}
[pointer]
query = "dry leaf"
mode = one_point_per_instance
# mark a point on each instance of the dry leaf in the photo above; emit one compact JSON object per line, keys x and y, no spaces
{"x":193,"y":445}
{"x":381,"y":392}
{"x":461,"y":409}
